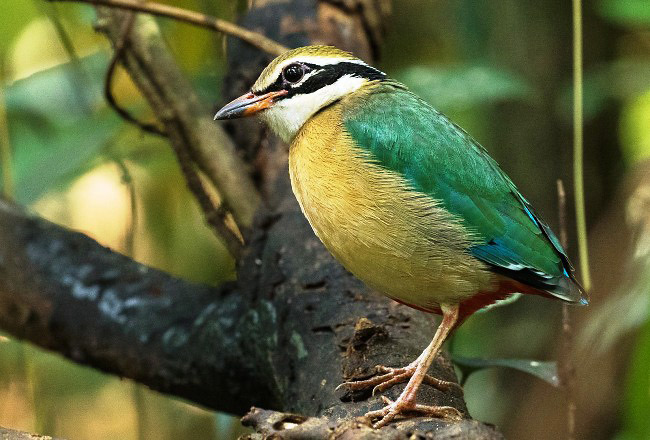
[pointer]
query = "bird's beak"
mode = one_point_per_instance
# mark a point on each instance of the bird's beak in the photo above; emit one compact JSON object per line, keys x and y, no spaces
{"x":248,"y":104}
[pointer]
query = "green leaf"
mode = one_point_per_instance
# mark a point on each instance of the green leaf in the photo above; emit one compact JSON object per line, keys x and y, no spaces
{"x":626,"y":12}
{"x":545,"y":370}
{"x":601,"y":332}
{"x":636,"y":423}
{"x":53,"y":134}
{"x":462,"y":87}
{"x":41,"y":164}
{"x":53,"y":92}
{"x":622,"y":79}
{"x":22,"y":13}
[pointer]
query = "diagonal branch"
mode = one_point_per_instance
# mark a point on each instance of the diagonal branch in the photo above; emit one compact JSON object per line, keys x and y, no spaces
{"x":187,"y":123}
{"x":253,"y":38}
{"x":280,"y":338}
{"x":216,"y":216}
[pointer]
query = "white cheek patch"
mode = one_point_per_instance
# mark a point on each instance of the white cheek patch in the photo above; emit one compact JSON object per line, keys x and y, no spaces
{"x":288,"y":115}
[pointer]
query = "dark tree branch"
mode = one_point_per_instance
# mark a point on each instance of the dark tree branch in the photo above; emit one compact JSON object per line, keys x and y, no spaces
{"x":287,"y":426}
{"x":63,"y":291}
{"x":282,"y":337}
{"x":566,"y":368}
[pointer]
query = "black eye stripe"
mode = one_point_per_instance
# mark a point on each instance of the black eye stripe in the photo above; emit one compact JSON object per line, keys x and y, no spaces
{"x":278,"y":84}
{"x":327,"y":75}
{"x":324,"y":76}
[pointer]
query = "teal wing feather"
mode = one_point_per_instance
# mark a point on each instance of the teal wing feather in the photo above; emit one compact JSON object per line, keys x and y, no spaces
{"x":442,"y":161}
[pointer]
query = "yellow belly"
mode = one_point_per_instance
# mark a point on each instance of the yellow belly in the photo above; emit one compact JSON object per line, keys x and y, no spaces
{"x":398,"y":241}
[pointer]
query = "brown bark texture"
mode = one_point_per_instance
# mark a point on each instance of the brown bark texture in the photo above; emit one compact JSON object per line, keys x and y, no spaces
{"x":292,"y":327}
{"x":10,"y":434}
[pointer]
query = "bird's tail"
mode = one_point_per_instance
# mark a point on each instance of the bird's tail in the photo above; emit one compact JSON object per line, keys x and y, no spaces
{"x":569,"y":289}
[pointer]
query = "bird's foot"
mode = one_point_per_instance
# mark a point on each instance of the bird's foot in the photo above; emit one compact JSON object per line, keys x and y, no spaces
{"x":388,"y":376}
{"x":403,"y":405}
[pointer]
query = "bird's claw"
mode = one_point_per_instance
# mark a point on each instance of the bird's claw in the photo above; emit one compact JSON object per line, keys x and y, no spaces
{"x":389,"y":376}
{"x":400,"y":406}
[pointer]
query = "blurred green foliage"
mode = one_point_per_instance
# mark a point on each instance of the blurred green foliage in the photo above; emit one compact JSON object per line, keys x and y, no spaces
{"x":626,"y":12}
{"x":637,"y":400}
{"x":546,"y":371}
{"x":484,"y":63}
{"x":42,"y":135}
{"x":465,"y":86}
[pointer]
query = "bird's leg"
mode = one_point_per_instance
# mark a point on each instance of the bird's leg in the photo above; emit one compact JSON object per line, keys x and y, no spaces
{"x":386,"y":377}
{"x":406,"y":401}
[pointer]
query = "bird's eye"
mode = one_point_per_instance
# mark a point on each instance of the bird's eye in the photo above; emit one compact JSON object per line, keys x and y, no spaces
{"x":293,"y":73}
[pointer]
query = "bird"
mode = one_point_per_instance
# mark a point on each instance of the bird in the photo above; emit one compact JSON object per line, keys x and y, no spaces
{"x":405,"y":199}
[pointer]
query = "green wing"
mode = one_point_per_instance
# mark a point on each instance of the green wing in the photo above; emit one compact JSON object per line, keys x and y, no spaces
{"x":408,"y":136}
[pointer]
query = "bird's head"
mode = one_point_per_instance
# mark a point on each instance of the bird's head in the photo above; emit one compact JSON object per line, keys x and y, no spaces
{"x":297,"y":84}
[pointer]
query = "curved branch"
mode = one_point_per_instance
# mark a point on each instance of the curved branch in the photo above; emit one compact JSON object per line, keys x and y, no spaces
{"x":188,"y":125}
{"x":282,"y":337}
{"x":216,"y":216}
{"x":253,"y":38}
{"x":63,"y":291}
{"x":108,"y":81}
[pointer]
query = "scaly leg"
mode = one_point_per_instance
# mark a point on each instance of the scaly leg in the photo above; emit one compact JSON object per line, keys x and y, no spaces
{"x":406,"y":401}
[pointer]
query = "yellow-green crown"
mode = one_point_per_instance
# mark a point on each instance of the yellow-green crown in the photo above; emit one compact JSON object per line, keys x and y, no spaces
{"x":306,"y":53}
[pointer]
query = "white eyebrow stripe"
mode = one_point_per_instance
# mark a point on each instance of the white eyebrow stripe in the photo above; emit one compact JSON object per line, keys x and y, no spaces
{"x":319,"y":61}
{"x":305,"y":78}
{"x":328,"y":61}
{"x":324,"y":61}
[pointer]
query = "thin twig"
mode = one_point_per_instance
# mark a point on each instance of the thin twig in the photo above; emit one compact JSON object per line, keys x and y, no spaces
{"x":578,"y":167}
{"x":76,"y":72}
{"x":566,"y":370}
{"x":214,"y":215}
{"x":178,"y":110}
{"x":171,"y":97}
{"x":6,"y":165}
{"x":120,"y":44}
{"x":127,"y":180}
{"x":253,"y":38}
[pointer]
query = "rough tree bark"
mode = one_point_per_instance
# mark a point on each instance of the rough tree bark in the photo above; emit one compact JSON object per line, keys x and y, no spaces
{"x":283,"y":336}
{"x":10,"y":434}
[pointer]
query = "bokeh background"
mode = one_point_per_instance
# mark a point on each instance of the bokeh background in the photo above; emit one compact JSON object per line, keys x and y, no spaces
{"x":502,"y":70}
